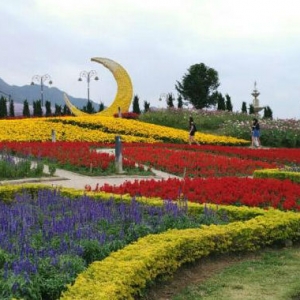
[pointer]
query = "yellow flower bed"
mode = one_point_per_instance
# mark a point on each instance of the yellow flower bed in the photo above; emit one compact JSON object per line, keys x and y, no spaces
{"x":125,"y":273}
{"x":100,"y":129}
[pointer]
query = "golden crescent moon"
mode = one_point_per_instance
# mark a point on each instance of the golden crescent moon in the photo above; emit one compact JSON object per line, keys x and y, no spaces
{"x":124,"y":94}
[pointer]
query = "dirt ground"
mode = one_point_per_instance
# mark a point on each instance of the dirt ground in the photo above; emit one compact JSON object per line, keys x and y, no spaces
{"x":195,"y":273}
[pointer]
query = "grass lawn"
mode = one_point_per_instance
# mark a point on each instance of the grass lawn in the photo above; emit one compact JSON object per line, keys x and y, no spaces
{"x":271,"y":274}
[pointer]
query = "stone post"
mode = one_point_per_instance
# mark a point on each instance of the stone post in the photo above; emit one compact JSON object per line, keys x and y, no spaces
{"x":118,"y":155}
{"x":53,"y":136}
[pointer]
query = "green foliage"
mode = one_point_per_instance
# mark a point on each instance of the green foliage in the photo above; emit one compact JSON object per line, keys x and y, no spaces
{"x":48,"y":108}
{"x":170,"y":100}
{"x":15,"y":168}
{"x":136,"y":105}
{"x":179,"y":101}
{"x":274,"y":133}
{"x":37,"y":108}
{"x":89,"y":108}
{"x":268,"y":114}
{"x":146,"y":106}
{"x":220,"y":101}
{"x":26,"y":111}
{"x":228,"y":103}
{"x":11,"y":108}
{"x":251,"y":109}
{"x":3,"y":107}
{"x":101,"y":106}
{"x":198,"y":86}
{"x":244,"y":107}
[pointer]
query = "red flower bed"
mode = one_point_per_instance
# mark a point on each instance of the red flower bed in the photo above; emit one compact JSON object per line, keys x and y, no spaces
{"x":78,"y":154}
{"x":273,"y":155}
{"x":193,"y":163}
{"x":227,"y":191}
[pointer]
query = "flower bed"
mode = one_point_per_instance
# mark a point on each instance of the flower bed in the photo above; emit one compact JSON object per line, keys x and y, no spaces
{"x":46,"y":238}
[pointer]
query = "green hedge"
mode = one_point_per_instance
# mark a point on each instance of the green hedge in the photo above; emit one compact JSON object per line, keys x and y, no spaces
{"x":277,"y":174}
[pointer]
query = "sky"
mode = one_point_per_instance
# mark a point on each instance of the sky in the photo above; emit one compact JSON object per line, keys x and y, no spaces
{"x":157,"y":41}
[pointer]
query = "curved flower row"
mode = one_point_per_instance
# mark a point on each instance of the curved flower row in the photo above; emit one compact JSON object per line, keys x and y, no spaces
{"x":151,"y":131}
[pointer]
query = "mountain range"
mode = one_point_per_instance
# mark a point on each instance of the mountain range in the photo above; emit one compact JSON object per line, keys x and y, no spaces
{"x":33,"y":93}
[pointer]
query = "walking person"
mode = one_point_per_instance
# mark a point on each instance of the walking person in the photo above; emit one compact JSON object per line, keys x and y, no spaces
{"x":255,"y":134}
{"x":192,"y":131}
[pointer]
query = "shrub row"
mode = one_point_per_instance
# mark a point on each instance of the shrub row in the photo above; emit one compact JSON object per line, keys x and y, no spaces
{"x":277,"y":174}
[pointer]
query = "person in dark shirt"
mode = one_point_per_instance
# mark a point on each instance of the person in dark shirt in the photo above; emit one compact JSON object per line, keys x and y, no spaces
{"x":255,"y":133}
{"x":192,"y":131}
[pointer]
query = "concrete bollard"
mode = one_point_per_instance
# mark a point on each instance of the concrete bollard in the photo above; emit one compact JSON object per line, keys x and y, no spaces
{"x":118,"y":155}
{"x":53,"y":135}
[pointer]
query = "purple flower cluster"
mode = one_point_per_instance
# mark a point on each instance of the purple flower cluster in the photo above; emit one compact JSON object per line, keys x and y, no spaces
{"x":50,"y":226}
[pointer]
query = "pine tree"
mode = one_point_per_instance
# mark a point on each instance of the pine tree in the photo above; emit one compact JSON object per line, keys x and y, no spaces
{"x":101,"y":106}
{"x":146,"y":106}
{"x":268,"y":114}
{"x":11,"y":108}
{"x":136,"y":105}
{"x":228,"y":103}
{"x":221,"y":101}
{"x":89,"y":107}
{"x":26,"y":111}
{"x":48,"y":108}
{"x":179,"y":101}
{"x":3,"y":107}
{"x":170,"y":100}
{"x":251,"y":109}
{"x":244,"y":107}
{"x":57,"y":110}
{"x":66,"y":111}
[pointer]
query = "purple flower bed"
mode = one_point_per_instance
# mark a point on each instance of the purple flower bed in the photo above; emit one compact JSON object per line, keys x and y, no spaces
{"x":45,"y":242}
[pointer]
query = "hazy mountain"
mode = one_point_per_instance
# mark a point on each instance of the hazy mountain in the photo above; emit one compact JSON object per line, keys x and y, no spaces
{"x":33,"y":93}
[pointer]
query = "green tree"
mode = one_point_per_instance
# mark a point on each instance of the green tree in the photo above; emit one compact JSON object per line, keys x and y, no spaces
{"x":37,"y":108}
{"x":220,"y":101}
{"x":179,"y":101}
{"x":268,"y":113}
{"x":26,"y":111}
{"x":228,"y":103}
{"x":198,"y":86}
{"x":101,"y":106}
{"x":3,"y":107}
{"x":136,"y":105}
{"x":89,"y":108}
{"x":170,"y":100}
{"x":11,"y":108}
{"x":48,"y":108}
{"x":251,"y":109}
{"x":244,"y":107}
{"x":57,"y":110}
{"x":146,"y":106}
{"x":66,"y":111}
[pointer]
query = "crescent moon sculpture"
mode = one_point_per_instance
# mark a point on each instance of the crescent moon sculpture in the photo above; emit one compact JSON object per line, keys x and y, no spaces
{"x":124,"y":94}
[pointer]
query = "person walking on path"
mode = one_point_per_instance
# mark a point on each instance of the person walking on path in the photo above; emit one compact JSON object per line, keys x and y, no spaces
{"x":192,"y":131}
{"x":255,"y":134}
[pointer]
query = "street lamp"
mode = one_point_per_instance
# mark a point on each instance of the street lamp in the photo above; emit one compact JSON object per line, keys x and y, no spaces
{"x":88,"y":76}
{"x":41,"y":80}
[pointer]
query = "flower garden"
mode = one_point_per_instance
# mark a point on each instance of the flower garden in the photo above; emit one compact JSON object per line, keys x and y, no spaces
{"x":110,"y":242}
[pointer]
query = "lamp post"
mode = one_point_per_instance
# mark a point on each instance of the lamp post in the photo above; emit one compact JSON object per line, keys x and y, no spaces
{"x":88,"y":75}
{"x":41,"y":79}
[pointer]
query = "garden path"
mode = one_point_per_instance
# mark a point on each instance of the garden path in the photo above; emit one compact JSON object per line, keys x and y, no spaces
{"x":63,"y":178}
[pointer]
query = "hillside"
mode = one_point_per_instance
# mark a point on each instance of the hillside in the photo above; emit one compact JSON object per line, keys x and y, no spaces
{"x":33,"y":93}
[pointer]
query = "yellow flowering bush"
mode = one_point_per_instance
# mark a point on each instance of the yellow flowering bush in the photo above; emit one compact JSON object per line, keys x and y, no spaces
{"x":100,"y":129}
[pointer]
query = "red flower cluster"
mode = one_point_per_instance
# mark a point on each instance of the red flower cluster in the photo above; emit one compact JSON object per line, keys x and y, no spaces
{"x":227,"y":191}
{"x":78,"y":154}
{"x":196,"y":163}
